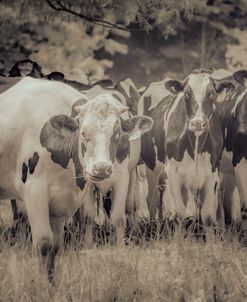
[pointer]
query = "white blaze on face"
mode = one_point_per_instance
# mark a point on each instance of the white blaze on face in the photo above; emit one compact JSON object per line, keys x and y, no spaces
{"x":199,"y":84}
{"x":99,"y":123}
{"x":25,"y":68}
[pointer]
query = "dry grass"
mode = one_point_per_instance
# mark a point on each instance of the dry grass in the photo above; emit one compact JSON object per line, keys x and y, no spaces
{"x":172,"y":269}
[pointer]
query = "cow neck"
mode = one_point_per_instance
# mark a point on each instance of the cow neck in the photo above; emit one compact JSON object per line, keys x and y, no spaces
{"x":196,"y":191}
{"x":197,"y":151}
{"x":74,"y":154}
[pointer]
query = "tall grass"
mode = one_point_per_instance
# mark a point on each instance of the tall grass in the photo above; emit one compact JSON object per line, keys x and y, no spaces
{"x":175,"y":268}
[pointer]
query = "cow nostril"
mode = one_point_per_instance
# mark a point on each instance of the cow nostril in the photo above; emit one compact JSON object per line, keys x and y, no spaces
{"x":109,"y":171}
{"x":194,"y":124}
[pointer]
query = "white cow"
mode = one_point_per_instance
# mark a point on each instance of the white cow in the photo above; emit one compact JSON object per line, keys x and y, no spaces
{"x":120,"y":182}
{"x":54,"y":145}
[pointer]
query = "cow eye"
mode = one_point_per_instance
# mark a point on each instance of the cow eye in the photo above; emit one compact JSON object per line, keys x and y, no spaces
{"x":84,"y":134}
{"x":187,"y":95}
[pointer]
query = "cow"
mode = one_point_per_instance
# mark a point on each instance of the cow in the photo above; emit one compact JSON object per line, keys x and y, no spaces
{"x":154,"y":101}
{"x":185,"y":118}
{"x":52,"y":157}
{"x":25,"y":68}
{"x":194,"y":145}
{"x":120,"y":184}
{"x":232,"y":107}
{"x":19,"y":214}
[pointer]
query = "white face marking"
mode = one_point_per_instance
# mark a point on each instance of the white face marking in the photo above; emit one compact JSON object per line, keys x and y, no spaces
{"x":97,"y":123}
{"x":199,"y":84}
{"x":25,"y":68}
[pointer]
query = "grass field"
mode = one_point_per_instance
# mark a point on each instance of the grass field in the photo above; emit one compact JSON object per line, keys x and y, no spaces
{"x":173,"y":269}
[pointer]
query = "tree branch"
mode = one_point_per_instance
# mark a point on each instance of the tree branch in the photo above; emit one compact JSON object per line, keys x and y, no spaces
{"x":62,"y":8}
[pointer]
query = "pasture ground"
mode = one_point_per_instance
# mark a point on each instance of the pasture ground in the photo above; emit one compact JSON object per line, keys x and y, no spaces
{"x":173,"y":269}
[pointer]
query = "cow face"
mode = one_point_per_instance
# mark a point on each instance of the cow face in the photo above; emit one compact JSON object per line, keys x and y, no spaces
{"x":94,"y":137}
{"x":99,"y":135}
{"x":26,"y":68}
{"x":104,"y":136}
{"x":199,"y":94}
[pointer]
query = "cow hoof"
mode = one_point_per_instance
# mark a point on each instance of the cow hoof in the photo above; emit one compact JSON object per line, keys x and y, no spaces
{"x":10,"y":236}
{"x":188,"y":222}
{"x":244,"y":214}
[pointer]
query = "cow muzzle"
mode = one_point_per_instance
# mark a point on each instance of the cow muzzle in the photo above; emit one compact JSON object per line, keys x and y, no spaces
{"x":101,"y":171}
{"x":198,"y":124}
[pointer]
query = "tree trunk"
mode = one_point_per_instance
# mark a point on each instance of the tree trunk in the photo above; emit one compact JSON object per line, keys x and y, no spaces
{"x":203,"y":45}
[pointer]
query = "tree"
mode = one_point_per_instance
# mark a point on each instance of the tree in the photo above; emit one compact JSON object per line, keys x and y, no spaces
{"x":33,"y":27}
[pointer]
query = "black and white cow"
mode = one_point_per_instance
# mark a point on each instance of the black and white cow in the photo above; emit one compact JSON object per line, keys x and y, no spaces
{"x":193,"y":146}
{"x":121,"y":184}
{"x":154,"y":102}
{"x":232,"y":107}
{"x":187,"y":136}
{"x":54,"y":145}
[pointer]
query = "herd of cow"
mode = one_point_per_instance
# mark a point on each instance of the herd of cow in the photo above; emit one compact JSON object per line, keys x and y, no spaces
{"x":64,"y":145}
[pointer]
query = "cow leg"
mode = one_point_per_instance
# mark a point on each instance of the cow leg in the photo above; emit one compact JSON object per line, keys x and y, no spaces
{"x":57,"y":226}
{"x":210,"y":202}
{"x":220,"y":213}
{"x":241,"y":179}
{"x":130,"y":200}
{"x":89,"y":212}
{"x":153,"y":192}
{"x":38,"y":215}
{"x":175,"y":193}
{"x":118,"y":218}
{"x":191,"y":205}
{"x":231,"y":202}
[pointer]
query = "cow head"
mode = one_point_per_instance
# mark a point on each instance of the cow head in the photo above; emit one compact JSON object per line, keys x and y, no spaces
{"x":95,"y":134}
{"x":241,"y":77}
{"x":26,"y":68}
{"x":199,"y":94}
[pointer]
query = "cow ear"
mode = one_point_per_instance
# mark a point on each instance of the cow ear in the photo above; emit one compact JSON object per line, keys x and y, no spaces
{"x":57,"y":136}
{"x":77,"y":107}
{"x":174,"y":86}
{"x":241,"y":77}
{"x":224,"y":90}
{"x":138,"y":123}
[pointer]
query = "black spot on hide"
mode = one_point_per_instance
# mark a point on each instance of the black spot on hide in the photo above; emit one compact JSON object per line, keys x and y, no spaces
{"x":32,"y":162}
{"x":60,"y":137}
{"x":24,"y":172}
{"x":123,"y":148}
